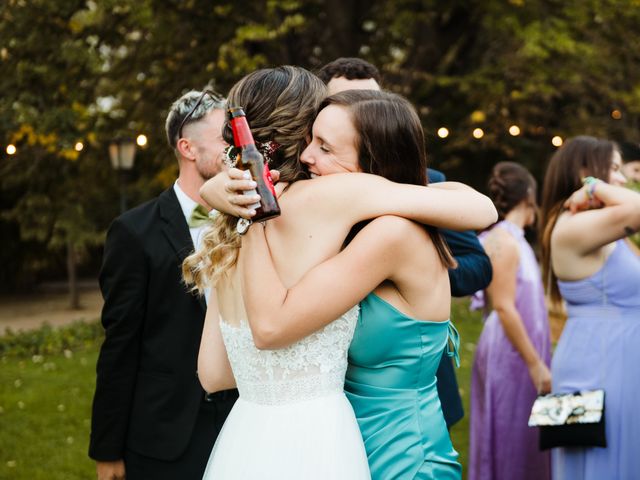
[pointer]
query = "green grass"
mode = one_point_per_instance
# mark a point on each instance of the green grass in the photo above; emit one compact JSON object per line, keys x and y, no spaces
{"x":45,"y":411}
{"x":45,"y":398}
{"x":469,"y":326}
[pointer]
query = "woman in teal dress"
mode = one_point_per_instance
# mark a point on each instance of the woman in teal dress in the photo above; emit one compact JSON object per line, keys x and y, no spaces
{"x":391,"y":385}
{"x":397,"y":270}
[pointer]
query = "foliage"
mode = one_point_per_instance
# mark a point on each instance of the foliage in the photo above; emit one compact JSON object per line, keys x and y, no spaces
{"x":82,"y":70}
{"x":51,"y":341}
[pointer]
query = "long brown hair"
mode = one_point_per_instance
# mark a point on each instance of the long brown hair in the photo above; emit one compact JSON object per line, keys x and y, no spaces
{"x":390,"y":143}
{"x":578,"y":157}
{"x":280,"y":104}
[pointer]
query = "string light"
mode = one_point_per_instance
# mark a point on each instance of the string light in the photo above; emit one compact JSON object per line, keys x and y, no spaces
{"x":141,"y":140}
{"x":443,"y":132}
{"x":556,"y":141}
{"x":11,"y":149}
{"x":478,"y":133}
{"x":616,"y":114}
{"x":514,"y":130}
{"x":79,"y":146}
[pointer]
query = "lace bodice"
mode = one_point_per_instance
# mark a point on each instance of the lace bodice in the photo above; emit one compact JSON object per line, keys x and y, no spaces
{"x":313,"y":367}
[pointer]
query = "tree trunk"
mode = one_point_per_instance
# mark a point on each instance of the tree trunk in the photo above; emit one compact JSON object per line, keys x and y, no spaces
{"x":74,"y":296}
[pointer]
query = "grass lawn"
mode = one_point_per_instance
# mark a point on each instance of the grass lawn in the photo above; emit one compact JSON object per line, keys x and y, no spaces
{"x":45,"y":402}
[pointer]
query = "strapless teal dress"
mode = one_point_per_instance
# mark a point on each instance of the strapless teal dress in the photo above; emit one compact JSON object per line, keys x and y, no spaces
{"x":391,"y":384}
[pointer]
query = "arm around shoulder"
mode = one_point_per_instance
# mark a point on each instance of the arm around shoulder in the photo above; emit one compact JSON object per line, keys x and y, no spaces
{"x":445,"y":205}
{"x":280,"y":316}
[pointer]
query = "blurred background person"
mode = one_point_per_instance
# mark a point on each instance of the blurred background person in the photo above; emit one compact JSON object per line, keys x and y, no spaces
{"x":350,"y":73}
{"x":474,"y":269}
{"x":511,"y":361}
{"x":587,"y":262}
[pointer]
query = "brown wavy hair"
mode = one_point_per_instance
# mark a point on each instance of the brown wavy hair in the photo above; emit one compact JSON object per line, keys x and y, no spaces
{"x":390,"y":144}
{"x":280,"y":104}
{"x":578,"y":157}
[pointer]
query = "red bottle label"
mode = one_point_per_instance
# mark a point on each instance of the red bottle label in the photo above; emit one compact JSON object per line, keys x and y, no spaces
{"x":241,"y":132}
{"x":266,"y":175}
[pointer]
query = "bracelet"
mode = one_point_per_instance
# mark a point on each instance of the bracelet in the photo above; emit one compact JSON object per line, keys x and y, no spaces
{"x":243,"y":225}
{"x":590,"y":183}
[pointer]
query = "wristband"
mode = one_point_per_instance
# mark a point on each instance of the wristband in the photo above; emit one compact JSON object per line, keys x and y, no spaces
{"x":590,"y":183}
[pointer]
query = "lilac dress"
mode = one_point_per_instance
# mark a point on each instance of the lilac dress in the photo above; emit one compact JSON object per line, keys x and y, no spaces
{"x":502,"y":445}
{"x":600,"y":348}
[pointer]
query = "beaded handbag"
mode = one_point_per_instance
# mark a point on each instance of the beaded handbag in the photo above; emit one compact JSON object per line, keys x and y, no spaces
{"x":570,"y":419}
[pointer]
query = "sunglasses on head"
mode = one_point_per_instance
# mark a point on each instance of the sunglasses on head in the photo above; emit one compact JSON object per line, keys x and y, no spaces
{"x":207,"y":91}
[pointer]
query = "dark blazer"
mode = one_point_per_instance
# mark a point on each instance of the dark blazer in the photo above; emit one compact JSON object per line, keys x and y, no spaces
{"x":473,"y":273}
{"x":147,"y":397}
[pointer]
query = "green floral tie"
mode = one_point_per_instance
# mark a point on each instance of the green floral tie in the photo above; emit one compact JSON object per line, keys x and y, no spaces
{"x":199,"y":217}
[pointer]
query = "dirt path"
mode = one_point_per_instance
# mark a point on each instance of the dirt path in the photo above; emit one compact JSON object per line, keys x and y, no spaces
{"x":32,"y":311}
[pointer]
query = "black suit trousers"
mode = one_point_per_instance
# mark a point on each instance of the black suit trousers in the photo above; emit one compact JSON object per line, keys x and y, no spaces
{"x":192,"y":463}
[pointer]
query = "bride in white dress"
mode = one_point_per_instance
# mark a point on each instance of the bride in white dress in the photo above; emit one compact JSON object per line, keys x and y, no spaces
{"x":292,"y":420}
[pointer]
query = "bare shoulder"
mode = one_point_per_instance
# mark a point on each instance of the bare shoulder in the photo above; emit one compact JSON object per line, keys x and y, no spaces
{"x":333,"y":194}
{"x":563,"y":230}
{"x":347,"y":185}
{"x":500,"y":244}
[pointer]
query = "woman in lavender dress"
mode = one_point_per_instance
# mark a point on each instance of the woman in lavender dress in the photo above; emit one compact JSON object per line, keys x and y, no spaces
{"x":588,"y":262}
{"x":511,"y":361}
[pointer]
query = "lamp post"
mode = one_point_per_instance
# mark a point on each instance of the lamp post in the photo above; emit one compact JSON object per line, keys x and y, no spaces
{"x":122,"y":152}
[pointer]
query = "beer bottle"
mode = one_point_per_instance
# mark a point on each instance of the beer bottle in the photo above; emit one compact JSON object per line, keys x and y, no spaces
{"x":253,"y":161}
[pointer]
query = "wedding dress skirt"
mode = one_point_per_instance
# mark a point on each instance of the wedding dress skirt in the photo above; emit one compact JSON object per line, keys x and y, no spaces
{"x":292,"y":420}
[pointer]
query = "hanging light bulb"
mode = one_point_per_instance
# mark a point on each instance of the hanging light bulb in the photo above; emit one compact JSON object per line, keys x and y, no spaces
{"x":514,"y":130}
{"x":478,"y":133}
{"x":141,"y":140}
{"x":443,"y":132}
{"x":556,"y":141}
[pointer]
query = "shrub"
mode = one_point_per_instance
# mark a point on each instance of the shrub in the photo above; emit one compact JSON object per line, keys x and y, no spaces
{"x":48,"y":340}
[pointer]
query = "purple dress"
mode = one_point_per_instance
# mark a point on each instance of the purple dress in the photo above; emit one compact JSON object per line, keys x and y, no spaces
{"x":502,"y":445}
{"x":600,"y":348}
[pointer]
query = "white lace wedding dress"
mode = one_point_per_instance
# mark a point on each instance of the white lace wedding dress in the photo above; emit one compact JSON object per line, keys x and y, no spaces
{"x":292,"y":420}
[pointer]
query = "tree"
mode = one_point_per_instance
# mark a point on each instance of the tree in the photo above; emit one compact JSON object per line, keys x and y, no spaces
{"x":82,"y":70}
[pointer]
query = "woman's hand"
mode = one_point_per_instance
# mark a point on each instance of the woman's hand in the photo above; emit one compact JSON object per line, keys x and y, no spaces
{"x":541,"y":377}
{"x":224,"y":192}
{"x":584,"y":199}
{"x":239,"y":182}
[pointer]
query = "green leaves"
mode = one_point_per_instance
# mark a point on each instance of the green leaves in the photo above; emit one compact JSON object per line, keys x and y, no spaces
{"x":88,"y":71}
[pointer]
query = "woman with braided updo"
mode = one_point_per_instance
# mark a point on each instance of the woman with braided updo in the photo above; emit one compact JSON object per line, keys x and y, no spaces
{"x":511,"y":361}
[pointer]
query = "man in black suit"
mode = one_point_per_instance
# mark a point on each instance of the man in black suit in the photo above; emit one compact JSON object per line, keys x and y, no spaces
{"x":474,"y":268}
{"x":151,"y":418}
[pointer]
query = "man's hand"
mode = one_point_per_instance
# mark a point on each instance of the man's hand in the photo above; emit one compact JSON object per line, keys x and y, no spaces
{"x":110,"y":470}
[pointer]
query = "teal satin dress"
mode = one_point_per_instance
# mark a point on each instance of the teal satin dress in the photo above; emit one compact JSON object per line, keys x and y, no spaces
{"x":391,"y":384}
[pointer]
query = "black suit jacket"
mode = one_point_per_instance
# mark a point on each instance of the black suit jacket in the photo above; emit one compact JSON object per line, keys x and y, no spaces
{"x":473,"y":273}
{"x":147,"y":394}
